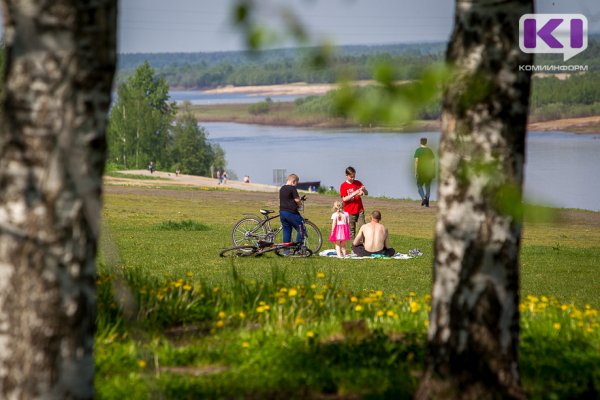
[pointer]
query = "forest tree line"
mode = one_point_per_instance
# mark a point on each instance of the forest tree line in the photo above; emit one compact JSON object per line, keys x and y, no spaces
{"x":145,"y":126}
{"x":269,"y":67}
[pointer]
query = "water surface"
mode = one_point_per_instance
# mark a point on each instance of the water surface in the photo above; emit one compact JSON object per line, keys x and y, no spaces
{"x":561,"y":168}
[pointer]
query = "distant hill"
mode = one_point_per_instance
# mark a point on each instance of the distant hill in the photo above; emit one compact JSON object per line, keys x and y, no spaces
{"x":268,"y":67}
{"x":282,"y":66}
{"x":129,"y":61}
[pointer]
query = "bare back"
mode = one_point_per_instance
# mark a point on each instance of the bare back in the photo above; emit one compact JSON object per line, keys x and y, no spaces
{"x":373,"y":235}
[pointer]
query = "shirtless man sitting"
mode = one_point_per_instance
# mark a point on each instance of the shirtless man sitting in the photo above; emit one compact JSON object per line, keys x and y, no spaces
{"x":372,"y":238}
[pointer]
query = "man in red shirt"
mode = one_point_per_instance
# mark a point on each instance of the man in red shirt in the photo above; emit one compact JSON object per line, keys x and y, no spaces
{"x":351,"y":191}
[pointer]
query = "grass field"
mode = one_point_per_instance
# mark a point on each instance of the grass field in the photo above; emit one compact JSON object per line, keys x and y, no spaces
{"x":206,"y":327}
{"x":560,"y":257}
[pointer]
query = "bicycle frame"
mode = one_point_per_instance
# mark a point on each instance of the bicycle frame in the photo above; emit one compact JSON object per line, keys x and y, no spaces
{"x":271,"y":233}
{"x":255,"y":227}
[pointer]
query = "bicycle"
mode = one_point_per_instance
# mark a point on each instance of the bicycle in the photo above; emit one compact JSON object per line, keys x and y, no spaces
{"x":285,"y":249}
{"x":251,"y":230}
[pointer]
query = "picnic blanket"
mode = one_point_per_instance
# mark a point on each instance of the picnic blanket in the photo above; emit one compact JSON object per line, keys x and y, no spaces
{"x":398,"y":256}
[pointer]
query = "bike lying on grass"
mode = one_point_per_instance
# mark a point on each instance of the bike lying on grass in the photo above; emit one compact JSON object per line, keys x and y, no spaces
{"x":285,"y":249}
{"x":252,"y":230}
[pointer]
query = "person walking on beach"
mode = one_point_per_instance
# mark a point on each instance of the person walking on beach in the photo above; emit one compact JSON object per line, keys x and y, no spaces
{"x":340,"y":229}
{"x":424,"y":171}
{"x":372,"y":238}
{"x":289,"y":206}
{"x":351,"y":191}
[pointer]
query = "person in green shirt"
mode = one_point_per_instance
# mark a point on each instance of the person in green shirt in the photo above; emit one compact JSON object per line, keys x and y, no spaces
{"x":424,"y":170}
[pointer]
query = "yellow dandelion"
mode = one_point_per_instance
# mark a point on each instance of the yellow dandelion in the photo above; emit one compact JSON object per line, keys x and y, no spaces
{"x":379,"y":293}
{"x":189,"y":274}
{"x":221,"y":314}
{"x":319,"y":296}
{"x":358,"y":308}
{"x":178,"y":284}
{"x":353,"y":299}
{"x":320,"y":275}
{"x":564,"y":307}
{"x":292,"y":292}
{"x":414,"y":306}
{"x":242,"y":315}
{"x":298,"y":321}
{"x":310,"y":334}
{"x":412,"y":294}
{"x":141,"y":363}
{"x":390,"y":313}
{"x":532,"y":299}
{"x":245,"y":345}
{"x":260,"y":309}
{"x":380,"y":313}
{"x":313,"y":286}
{"x":220,"y":324}
{"x":556,"y":326}
{"x":544,"y":299}
{"x":591,"y":313}
{"x":187,"y":287}
{"x":281,"y":301}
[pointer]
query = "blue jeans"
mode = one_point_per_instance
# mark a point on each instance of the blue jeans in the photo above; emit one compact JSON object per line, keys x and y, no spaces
{"x":427,"y":183}
{"x":289,"y":220}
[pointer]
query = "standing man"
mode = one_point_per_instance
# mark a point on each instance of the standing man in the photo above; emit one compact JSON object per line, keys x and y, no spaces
{"x":424,"y":170}
{"x":289,"y":214}
{"x":351,"y":191}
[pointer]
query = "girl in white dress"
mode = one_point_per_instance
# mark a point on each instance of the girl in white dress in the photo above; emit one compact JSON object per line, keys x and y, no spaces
{"x":340,"y":228}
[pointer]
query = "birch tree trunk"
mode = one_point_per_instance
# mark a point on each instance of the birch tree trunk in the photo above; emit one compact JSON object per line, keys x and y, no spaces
{"x":474,"y":320}
{"x":60,"y":60}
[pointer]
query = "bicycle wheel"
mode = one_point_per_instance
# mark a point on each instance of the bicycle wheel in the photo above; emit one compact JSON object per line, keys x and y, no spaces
{"x":248,"y":231}
{"x":294,"y":252}
{"x":238,"y":251}
{"x":314,"y":239}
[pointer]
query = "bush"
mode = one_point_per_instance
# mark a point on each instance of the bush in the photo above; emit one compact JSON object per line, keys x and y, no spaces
{"x":262,"y":107}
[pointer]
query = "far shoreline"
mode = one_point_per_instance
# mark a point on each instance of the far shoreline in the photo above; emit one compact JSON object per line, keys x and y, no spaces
{"x":238,"y":112}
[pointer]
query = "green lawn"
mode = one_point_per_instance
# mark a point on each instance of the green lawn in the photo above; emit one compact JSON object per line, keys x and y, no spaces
{"x":558,"y":259}
{"x":176,"y":321}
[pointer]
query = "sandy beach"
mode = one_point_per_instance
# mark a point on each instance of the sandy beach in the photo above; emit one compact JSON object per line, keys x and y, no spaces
{"x":291,"y":89}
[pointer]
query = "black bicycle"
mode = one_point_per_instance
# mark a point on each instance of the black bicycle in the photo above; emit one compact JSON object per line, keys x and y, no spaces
{"x":285,"y":249}
{"x":252,"y":230}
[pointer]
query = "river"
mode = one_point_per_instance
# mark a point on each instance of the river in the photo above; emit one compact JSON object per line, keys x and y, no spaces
{"x":560,"y":170}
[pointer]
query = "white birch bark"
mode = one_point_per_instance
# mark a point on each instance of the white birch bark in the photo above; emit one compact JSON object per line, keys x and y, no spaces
{"x":60,"y":60}
{"x":474,"y":320}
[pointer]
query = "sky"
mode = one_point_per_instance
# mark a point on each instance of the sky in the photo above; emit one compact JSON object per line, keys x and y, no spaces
{"x":156,"y":26}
